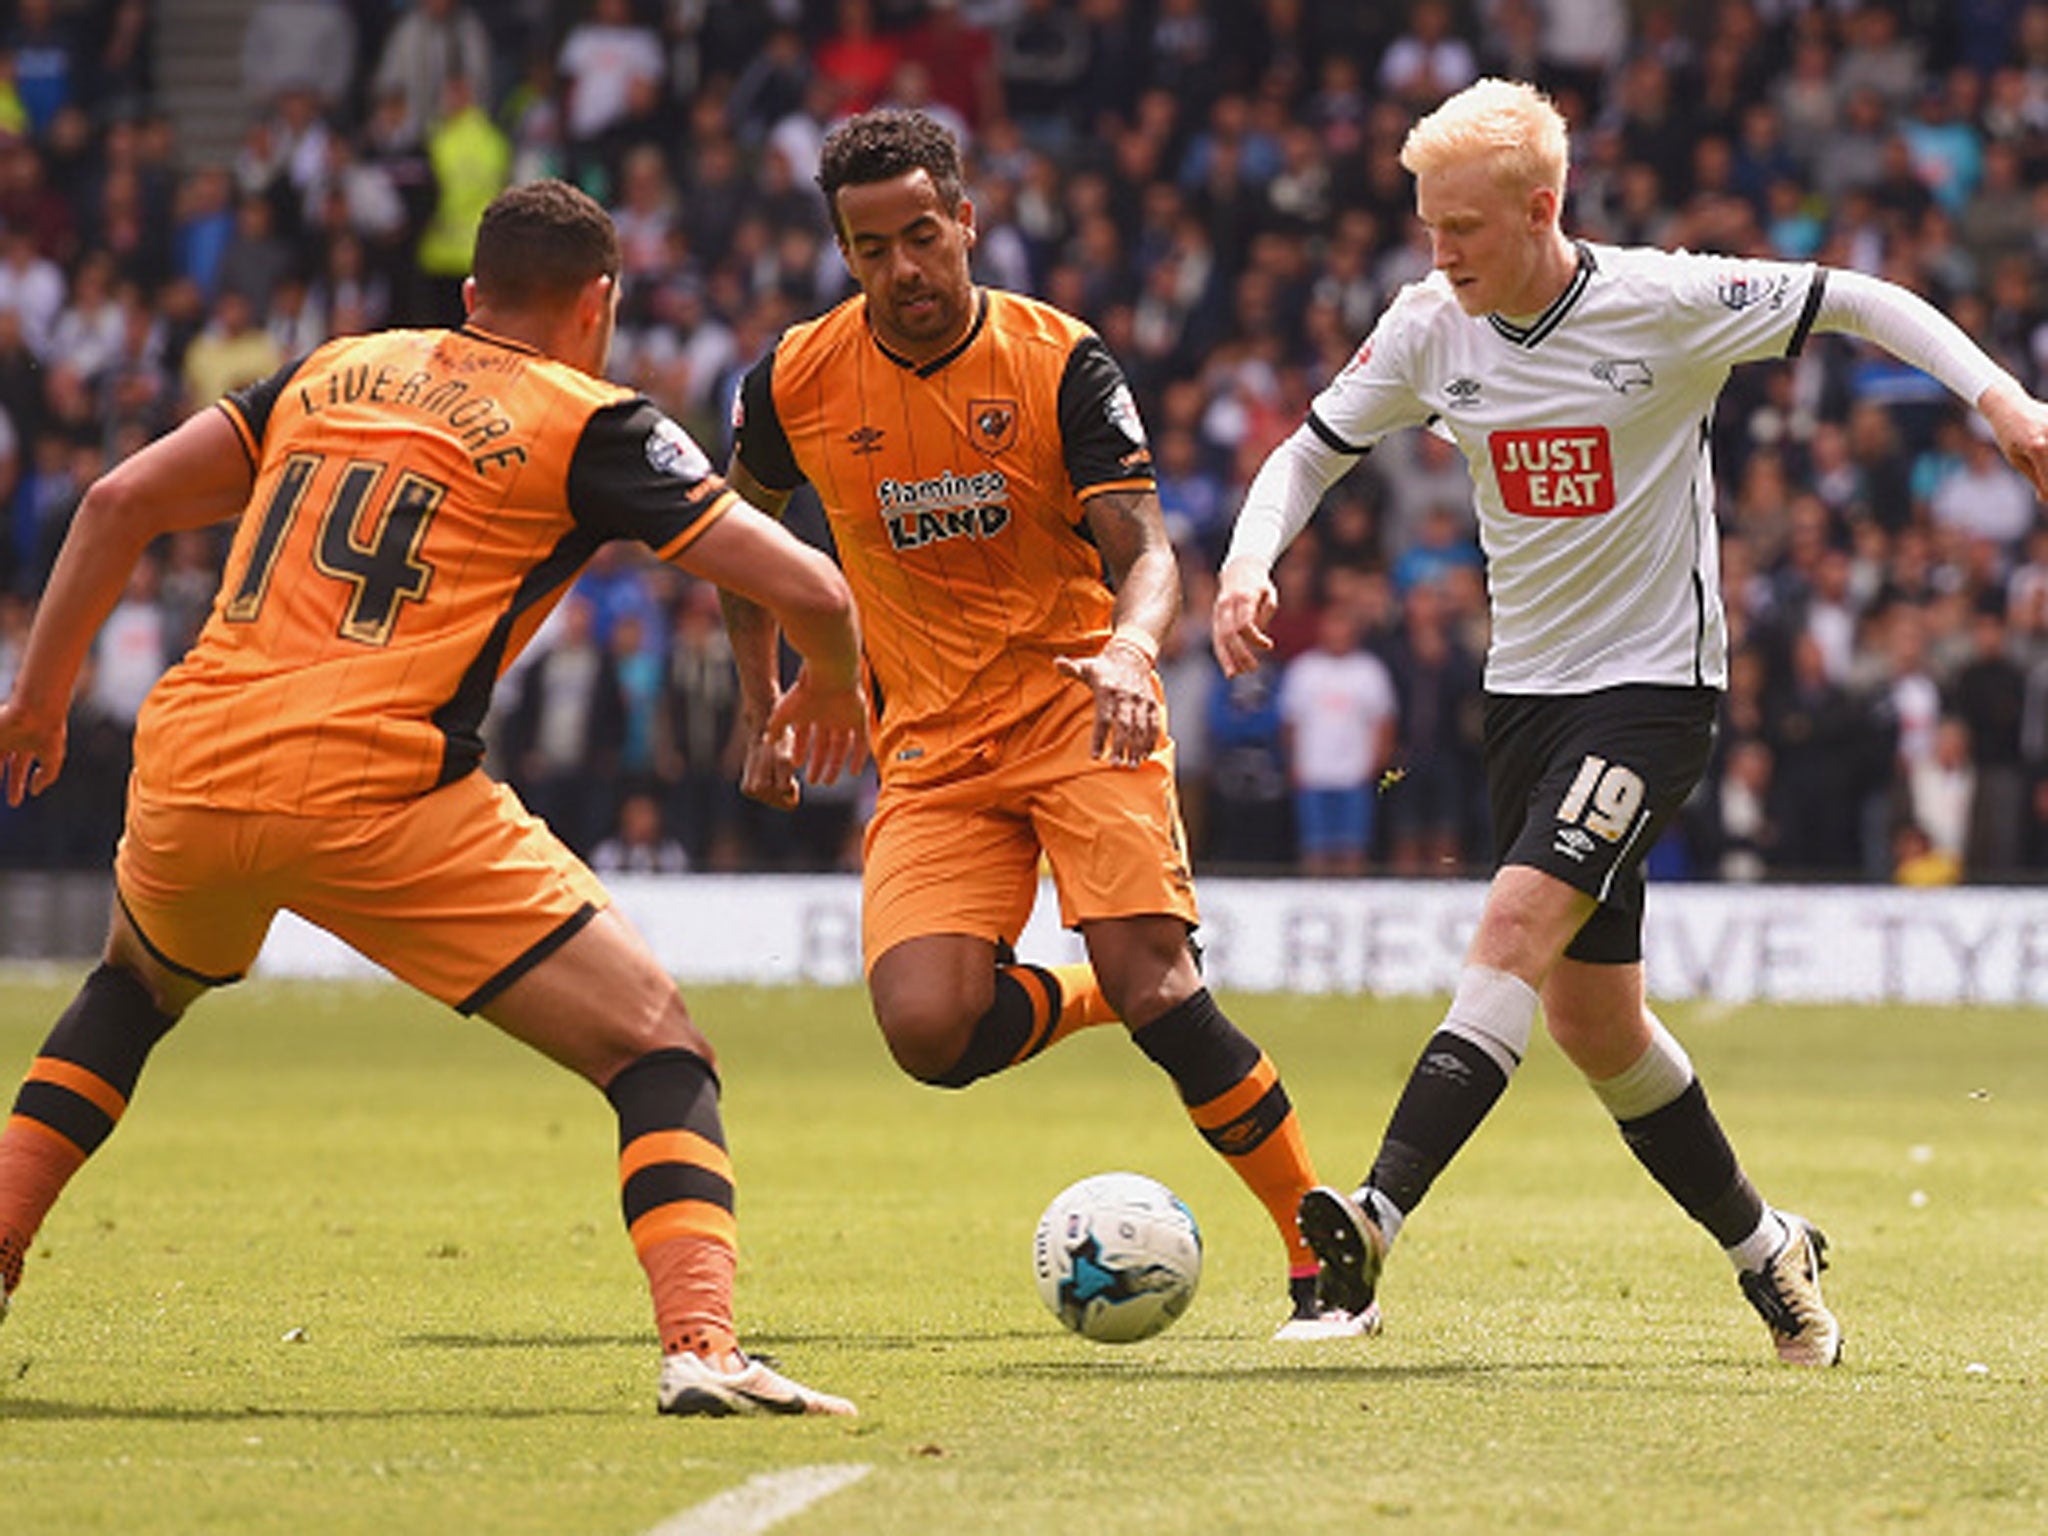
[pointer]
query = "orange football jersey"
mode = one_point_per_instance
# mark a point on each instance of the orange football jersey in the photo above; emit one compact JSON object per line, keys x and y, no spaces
{"x":422,"y":500}
{"x":955,"y":491}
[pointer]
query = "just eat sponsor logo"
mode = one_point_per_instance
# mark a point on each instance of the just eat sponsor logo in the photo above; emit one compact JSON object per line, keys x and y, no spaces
{"x":1555,"y":472}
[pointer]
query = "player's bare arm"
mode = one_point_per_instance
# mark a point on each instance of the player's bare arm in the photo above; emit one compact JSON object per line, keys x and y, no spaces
{"x":195,"y":475}
{"x":823,"y":717}
{"x":768,"y":767}
{"x":1131,"y":534}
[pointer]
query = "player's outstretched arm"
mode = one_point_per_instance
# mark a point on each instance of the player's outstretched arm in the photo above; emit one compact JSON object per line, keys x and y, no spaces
{"x":1914,"y":331}
{"x":192,"y":476}
{"x":1277,"y":506}
{"x":822,"y":721}
{"x":1131,"y":533}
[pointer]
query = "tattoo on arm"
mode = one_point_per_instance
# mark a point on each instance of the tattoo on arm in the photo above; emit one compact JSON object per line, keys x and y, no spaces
{"x":1131,"y":533}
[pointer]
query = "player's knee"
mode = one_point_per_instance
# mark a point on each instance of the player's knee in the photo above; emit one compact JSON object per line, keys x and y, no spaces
{"x":928,"y":1045}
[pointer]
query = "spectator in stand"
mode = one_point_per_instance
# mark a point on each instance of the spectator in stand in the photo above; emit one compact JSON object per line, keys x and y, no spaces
{"x":1940,"y":794}
{"x":48,"y":61}
{"x":299,"y":45}
{"x":1988,"y":696}
{"x":612,"y":71}
{"x":471,"y":160}
{"x":856,"y":57}
{"x":959,"y":58}
{"x":432,"y":41}
{"x":1428,"y":800}
{"x":32,"y":286}
{"x":1042,"y":56}
{"x":1338,"y":715}
{"x":256,"y":258}
{"x":1427,"y":62}
{"x":1984,"y":496}
{"x":233,"y":350}
{"x":1747,"y":831}
{"x":565,"y":726}
{"x":638,"y":845}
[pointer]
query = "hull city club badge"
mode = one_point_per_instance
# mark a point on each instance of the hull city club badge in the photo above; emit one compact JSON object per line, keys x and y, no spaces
{"x":992,"y":424}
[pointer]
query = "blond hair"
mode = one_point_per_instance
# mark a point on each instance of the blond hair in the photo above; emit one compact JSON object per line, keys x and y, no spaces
{"x":1512,"y":124}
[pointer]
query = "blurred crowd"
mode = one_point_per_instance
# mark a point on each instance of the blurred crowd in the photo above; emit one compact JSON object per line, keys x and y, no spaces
{"x":1213,"y":184}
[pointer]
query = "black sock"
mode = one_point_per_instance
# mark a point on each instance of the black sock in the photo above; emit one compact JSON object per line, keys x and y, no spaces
{"x":108,"y":1031}
{"x":1684,"y":1148}
{"x":1451,"y":1089}
{"x":1017,"y":1019}
{"x":1201,"y":1050}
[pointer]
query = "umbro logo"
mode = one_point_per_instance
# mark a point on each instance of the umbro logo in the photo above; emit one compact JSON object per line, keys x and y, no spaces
{"x":866,"y":439}
{"x":1622,"y":374}
{"x":1574,"y":843}
{"x":1462,"y":391}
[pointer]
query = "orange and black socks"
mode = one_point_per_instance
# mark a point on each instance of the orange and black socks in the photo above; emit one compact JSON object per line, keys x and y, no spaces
{"x":1035,"y":1007}
{"x":676,"y":1188}
{"x":75,"y":1093}
{"x":1234,"y":1095}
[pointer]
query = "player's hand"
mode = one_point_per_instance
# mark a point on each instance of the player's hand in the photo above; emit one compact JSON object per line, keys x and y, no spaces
{"x":1245,"y":604}
{"x":31,"y":752}
{"x":769,"y":773}
{"x":826,"y":727}
{"x":1127,"y":726}
{"x":2020,"y":423}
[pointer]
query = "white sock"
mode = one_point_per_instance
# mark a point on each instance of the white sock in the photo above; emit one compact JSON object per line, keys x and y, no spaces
{"x":1496,"y":1011}
{"x":1384,"y":1213}
{"x":1654,"y":1079}
{"x":1756,"y":1250}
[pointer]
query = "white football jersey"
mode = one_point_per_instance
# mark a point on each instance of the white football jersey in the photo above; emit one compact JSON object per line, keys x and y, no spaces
{"x":1586,"y":435}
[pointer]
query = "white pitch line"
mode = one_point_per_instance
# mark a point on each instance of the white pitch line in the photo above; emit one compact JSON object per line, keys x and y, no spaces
{"x":763,"y":1502}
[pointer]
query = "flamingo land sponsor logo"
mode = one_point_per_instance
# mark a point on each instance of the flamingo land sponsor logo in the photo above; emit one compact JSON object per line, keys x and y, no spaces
{"x":1554,"y":471}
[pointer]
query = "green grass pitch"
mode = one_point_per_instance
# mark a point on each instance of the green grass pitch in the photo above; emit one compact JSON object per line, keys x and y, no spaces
{"x":353,"y":1264}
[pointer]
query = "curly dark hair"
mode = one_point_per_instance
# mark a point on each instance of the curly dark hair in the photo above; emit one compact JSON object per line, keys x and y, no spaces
{"x":539,"y":243}
{"x":886,"y":143}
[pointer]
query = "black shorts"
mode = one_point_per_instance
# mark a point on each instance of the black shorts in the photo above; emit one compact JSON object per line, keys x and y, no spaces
{"x":1581,"y":785}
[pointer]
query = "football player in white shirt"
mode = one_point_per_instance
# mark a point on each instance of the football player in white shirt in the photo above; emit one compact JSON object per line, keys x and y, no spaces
{"x":1578,"y":380}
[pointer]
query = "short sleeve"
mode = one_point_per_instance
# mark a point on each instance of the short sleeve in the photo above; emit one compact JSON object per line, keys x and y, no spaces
{"x":1372,"y":395}
{"x":635,"y":474}
{"x":1101,"y":433}
{"x":758,"y":441}
{"x":1740,"y":310}
{"x":249,"y":407}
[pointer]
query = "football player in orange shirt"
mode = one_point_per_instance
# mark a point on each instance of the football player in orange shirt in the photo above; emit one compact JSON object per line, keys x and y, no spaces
{"x":981,"y":461}
{"x":412,"y":504}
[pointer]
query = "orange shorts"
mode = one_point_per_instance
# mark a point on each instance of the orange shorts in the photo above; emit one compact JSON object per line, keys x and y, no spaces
{"x":459,"y":892}
{"x":961,"y":855}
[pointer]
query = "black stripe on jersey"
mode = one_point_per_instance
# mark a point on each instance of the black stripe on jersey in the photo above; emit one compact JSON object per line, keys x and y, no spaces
{"x":759,"y":442}
{"x":926,"y":370}
{"x":1096,"y":448}
{"x":1323,"y":430}
{"x":1814,"y":293}
{"x":460,"y":720}
{"x":1553,"y":316}
{"x":635,"y":474}
{"x":486,"y":994}
{"x":256,"y":401}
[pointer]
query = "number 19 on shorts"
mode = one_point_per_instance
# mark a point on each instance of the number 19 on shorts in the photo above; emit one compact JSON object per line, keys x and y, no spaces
{"x":1604,"y":799}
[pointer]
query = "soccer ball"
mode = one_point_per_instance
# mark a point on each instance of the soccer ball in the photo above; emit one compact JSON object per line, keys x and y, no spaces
{"x":1118,"y":1257}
